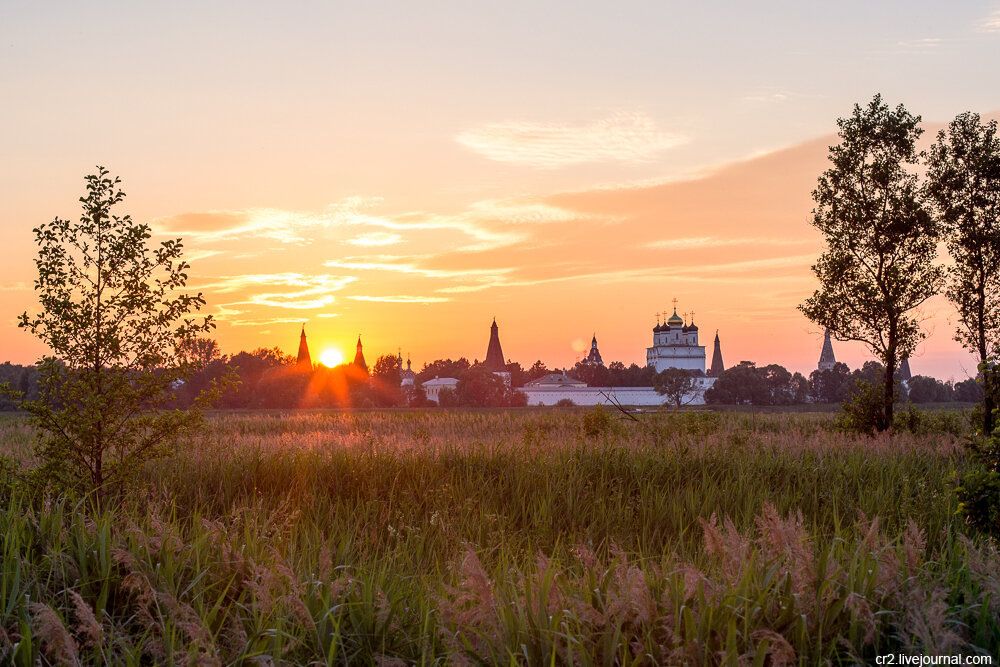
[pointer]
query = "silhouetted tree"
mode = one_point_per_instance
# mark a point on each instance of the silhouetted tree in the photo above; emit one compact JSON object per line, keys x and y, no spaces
{"x":831,"y":385}
{"x":741,"y":384}
{"x":923,"y":389}
{"x":968,"y":391}
{"x":445,"y":368}
{"x":881,"y":240}
{"x":963,"y":180}
{"x":385,"y":382}
{"x":677,"y":385}
{"x":114,"y":315}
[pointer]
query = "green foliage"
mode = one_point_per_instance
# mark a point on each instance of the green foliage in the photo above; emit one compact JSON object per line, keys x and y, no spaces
{"x":113,"y":316}
{"x":863,"y":410}
{"x":596,"y":421}
{"x":978,"y":488}
{"x":677,"y":385}
{"x":881,"y":240}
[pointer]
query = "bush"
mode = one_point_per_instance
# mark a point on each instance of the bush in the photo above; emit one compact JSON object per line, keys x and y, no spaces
{"x":864,"y":409}
{"x":565,"y":403}
{"x":597,"y":421}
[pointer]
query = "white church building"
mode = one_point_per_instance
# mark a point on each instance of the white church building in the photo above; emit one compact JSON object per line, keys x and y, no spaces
{"x":675,"y":345}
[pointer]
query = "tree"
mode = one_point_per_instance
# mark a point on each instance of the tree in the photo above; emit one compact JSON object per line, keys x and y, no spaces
{"x":743,"y":384}
{"x":831,"y":385}
{"x":385,"y":382}
{"x":445,"y":368}
{"x":963,"y":181}
{"x":881,"y":240}
{"x":923,"y":389}
{"x":968,"y":391}
{"x":677,"y":385}
{"x":114,"y":318}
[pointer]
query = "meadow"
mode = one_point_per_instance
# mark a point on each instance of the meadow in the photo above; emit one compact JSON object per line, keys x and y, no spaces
{"x":557,"y":537}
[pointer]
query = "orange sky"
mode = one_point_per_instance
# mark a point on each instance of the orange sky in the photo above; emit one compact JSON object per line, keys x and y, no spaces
{"x":408,"y":176}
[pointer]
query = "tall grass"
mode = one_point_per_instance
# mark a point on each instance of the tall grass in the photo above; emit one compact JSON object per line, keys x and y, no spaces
{"x":487,"y":537}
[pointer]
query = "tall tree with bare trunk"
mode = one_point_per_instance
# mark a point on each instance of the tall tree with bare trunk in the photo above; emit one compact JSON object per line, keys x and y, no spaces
{"x":881,"y":240}
{"x":963,"y":181}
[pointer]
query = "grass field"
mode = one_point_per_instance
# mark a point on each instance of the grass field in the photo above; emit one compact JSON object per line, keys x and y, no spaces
{"x":506,"y":537}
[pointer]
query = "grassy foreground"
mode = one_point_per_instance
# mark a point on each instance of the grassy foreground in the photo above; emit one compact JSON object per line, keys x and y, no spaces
{"x":492,"y":537}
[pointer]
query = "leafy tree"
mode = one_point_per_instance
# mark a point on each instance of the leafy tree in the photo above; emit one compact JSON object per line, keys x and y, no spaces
{"x":968,"y":391}
{"x":517,"y":374}
{"x":741,"y":384}
{"x":594,"y":375}
{"x":963,"y":180}
{"x":881,"y":240}
{"x":386,"y":370}
{"x":923,"y":389}
{"x":114,"y":317}
{"x":445,"y":368}
{"x":677,"y":385}
{"x":385,"y":381}
{"x":537,"y":370}
{"x":831,"y":385}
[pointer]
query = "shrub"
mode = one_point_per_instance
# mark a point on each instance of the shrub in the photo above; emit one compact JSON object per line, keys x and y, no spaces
{"x":597,"y":421}
{"x":863,"y":411}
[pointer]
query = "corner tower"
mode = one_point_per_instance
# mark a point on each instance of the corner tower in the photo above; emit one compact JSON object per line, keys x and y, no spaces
{"x":826,"y":359}
{"x":304,"y":361}
{"x":359,"y":357}
{"x":494,"y":353}
{"x":717,"y":365}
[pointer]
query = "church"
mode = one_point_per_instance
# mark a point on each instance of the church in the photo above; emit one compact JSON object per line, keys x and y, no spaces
{"x":675,"y":345}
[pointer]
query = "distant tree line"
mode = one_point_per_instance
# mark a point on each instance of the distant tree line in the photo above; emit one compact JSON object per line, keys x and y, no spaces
{"x":267,"y":378}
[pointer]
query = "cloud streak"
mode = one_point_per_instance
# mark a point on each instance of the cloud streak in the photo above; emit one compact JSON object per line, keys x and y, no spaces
{"x":401,"y":299}
{"x":716,"y":242}
{"x":626,"y":137}
{"x":990,"y":23}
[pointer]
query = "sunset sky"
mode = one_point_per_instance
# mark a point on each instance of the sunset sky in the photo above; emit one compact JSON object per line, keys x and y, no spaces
{"x":408,"y":171}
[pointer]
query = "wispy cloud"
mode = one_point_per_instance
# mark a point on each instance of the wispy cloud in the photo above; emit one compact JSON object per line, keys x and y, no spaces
{"x":401,"y":299}
{"x":630,"y":137}
{"x":691,"y":243}
{"x":376,"y":239}
{"x":991,"y":23}
{"x":267,"y":321}
{"x":916,"y":46}
{"x":389,"y":263}
{"x":306,"y":293}
{"x":324,"y":282}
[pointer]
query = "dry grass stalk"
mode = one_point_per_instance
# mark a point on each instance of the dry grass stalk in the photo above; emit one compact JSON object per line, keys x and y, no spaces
{"x":49,"y":628}
{"x":780,"y":652}
{"x":86,"y":626}
{"x":727,"y":545}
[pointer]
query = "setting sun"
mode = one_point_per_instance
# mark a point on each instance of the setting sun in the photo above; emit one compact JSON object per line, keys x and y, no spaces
{"x":331,"y":358}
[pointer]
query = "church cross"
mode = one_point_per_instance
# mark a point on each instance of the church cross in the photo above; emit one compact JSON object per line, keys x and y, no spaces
{"x":692,"y":316}
{"x":675,"y":304}
{"x":685,"y":316}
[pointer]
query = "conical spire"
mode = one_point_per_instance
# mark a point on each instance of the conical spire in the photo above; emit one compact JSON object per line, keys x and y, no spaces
{"x":904,"y":370}
{"x":494,"y":353}
{"x":304,"y":360}
{"x":359,"y":358}
{"x":826,"y":359}
{"x":717,"y":365}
